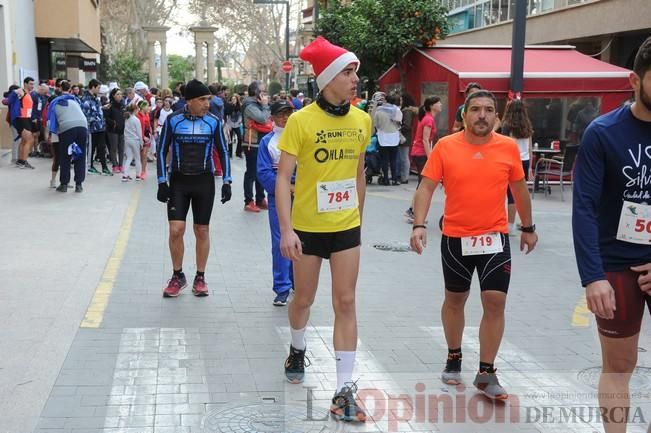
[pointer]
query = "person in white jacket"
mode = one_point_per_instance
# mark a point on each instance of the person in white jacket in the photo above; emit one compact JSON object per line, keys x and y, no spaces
{"x":132,"y":143}
{"x":387,"y":119}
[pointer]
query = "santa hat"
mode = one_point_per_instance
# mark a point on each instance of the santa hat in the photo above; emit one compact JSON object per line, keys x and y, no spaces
{"x":327,"y":60}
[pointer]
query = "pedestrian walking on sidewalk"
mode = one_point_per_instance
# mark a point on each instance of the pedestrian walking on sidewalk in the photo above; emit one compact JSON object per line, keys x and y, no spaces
{"x":478,"y":165}
{"x":610,"y":221}
{"x":189,"y":137}
{"x":327,"y":140}
{"x":133,"y":142}
{"x":66,"y":119}
{"x":268,"y":159}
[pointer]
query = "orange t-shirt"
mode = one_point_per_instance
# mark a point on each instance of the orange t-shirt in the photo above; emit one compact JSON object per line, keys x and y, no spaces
{"x":26,"y":105}
{"x":475,"y":178}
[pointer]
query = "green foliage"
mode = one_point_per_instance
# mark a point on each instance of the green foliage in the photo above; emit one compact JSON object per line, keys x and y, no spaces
{"x":274,"y":88}
{"x":180,"y":68}
{"x":126,"y":69}
{"x":380,"y":32}
{"x":241,"y":88}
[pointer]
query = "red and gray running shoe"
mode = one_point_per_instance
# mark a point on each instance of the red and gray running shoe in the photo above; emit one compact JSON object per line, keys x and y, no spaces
{"x":199,"y":288}
{"x":174,"y":286}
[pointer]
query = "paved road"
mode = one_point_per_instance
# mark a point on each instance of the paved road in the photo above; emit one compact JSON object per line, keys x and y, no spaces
{"x":89,"y":344}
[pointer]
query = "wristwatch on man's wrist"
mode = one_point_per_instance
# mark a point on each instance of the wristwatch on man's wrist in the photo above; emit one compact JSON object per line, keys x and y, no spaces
{"x":529,"y":229}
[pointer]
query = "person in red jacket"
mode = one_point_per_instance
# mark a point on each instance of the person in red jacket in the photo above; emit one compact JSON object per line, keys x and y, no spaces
{"x":145,"y":122}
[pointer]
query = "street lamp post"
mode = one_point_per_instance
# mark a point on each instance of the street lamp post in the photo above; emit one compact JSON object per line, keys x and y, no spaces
{"x":517,"y":43}
{"x":286,"y":3}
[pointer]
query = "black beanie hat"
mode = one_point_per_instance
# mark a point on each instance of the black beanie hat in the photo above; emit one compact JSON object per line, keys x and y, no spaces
{"x":196,"y":89}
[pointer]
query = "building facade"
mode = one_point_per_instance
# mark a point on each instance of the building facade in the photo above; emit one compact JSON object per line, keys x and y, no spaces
{"x":610,"y":30}
{"x":43,"y":39}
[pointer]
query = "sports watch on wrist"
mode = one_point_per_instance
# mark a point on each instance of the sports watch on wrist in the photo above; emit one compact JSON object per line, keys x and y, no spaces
{"x":530,"y":229}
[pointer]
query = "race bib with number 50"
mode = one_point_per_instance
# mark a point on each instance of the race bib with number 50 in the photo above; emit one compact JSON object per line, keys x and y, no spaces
{"x":635,"y":223}
{"x":336,"y":196}
{"x":488,"y":243}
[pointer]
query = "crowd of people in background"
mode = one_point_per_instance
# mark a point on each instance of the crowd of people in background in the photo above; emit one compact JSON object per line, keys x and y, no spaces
{"x":119,"y":127}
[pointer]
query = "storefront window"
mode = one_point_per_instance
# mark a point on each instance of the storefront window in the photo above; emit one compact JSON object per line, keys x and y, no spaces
{"x":562,"y":119}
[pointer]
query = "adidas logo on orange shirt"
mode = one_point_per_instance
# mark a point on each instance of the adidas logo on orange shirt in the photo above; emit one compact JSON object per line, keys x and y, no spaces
{"x":478,"y":155}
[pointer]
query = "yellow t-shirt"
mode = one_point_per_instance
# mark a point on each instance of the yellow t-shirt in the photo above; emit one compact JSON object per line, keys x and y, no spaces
{"x":327,"y":149}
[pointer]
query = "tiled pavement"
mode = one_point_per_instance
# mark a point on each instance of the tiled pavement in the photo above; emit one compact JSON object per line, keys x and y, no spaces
{"x":214,"y":364}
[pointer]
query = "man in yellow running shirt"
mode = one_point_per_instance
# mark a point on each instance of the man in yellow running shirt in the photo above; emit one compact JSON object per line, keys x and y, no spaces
{"x":325,"y":141}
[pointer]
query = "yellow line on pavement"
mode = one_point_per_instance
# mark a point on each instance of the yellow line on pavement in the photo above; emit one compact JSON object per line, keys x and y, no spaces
{"x":581,"y":316}
{"x":95,"y":312}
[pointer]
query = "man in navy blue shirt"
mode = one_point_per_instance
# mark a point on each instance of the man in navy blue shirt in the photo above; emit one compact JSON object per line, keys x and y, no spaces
{"x":190,"y":136}
{"x":612,"y":234}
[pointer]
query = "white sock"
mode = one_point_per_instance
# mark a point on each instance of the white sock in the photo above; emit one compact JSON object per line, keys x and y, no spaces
{"x":511,"y":227}
{"x":298,"y":338}
{"x":345,"y":366}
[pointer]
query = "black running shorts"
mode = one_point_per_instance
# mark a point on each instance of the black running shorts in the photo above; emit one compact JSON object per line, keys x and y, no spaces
{"x":325,"y":244}
{"x":185,"y":190}
{"x":23,"y":124}
{"x":494,"y":270}
{"x":630,"y":301}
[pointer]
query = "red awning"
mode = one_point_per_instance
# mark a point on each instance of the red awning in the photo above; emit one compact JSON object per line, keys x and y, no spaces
{"x":544,"y":62}
{"x":547,"y":69}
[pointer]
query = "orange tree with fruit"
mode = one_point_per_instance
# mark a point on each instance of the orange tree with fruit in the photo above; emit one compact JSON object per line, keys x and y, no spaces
{"x":381,"y":32}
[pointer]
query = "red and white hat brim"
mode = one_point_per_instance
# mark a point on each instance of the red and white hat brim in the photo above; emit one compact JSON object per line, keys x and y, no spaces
{"x":338,"y":65}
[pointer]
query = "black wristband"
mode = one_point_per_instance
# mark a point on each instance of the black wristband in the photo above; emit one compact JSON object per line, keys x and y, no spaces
{"x":419,"y":226}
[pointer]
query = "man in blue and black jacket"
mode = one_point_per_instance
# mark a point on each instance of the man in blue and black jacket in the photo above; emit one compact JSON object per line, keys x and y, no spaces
{"x":189,"y":137}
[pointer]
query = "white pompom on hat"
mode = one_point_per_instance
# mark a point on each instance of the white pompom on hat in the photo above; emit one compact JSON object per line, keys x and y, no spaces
{"x":327,"y":60}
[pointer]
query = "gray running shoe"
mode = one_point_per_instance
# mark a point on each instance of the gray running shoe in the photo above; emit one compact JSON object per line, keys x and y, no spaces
{"x":451,"y":377}
{"x":487,"y":383}
{"x":452,"y":373}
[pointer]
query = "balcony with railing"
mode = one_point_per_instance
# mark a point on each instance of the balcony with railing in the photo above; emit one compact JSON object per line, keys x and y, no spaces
{"x":472,"y":14}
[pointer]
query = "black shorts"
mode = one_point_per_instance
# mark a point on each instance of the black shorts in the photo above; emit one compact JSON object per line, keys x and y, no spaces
{"x":23,"y":124}
{"x":494,"y":270}
{"x":198,"y":190}
{"x":324,"y":244}
{"x":36,"y":125}
{"x":630,"y":301}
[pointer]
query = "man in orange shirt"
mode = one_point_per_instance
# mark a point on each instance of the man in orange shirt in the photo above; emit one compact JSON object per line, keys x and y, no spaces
{"x":23,"y":122}
{"x":478,"y":166}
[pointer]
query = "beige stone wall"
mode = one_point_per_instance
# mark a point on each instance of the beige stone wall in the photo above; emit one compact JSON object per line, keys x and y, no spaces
{"x":602,"y":17}
{"x":89,"y":22}
{"x":68,"y":19}
{"x":5,"y":134}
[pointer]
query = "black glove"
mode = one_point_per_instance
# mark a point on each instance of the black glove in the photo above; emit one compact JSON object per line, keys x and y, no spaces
{"x":226,"y":192}
{"x":163,"y":194}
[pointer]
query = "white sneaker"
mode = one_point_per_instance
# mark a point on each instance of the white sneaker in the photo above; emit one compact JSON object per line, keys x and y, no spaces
{"x":53,"y":183}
